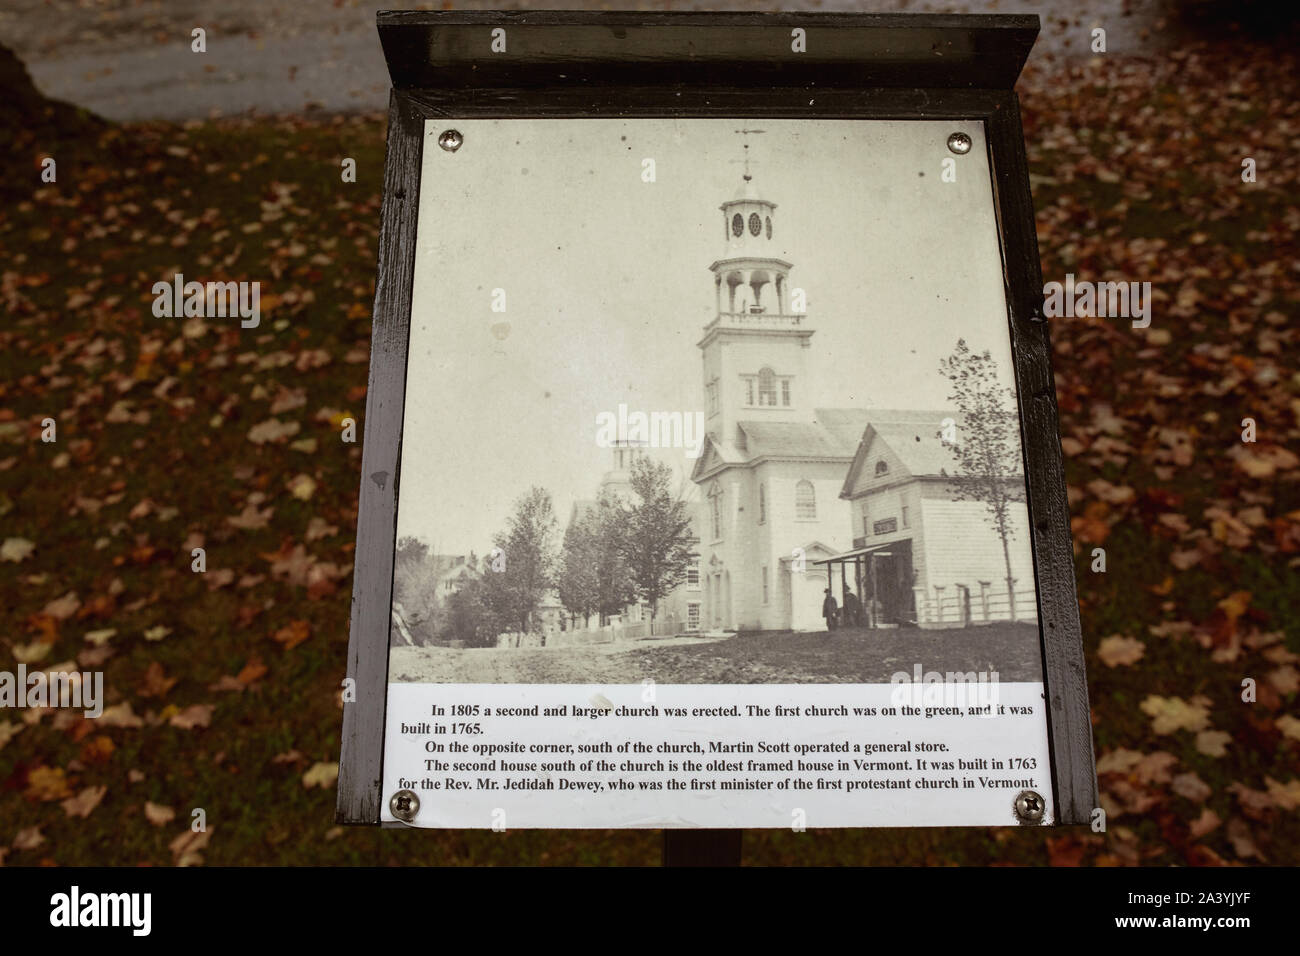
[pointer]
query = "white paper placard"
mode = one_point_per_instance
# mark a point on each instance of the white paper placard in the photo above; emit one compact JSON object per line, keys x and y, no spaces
{"x":773,"y":756}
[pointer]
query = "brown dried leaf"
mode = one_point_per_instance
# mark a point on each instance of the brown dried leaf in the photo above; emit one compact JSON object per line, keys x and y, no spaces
{"x":85,"y":802}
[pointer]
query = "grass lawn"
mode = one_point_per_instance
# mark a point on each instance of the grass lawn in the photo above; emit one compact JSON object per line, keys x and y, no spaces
{"x":848,"y":656}
{"x":223,"y":688}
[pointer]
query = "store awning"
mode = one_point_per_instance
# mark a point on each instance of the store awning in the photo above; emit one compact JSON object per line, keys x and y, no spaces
{"x":856,"y":553}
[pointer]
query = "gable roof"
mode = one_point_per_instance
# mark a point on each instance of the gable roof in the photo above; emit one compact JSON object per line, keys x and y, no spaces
{"x":811,"y":548}
{"x":913,"y":437}
{"x":458,"y":571}
{"x":834,"y":433}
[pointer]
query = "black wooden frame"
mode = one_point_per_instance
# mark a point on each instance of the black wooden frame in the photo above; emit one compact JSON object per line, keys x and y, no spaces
{"x":576,"y":65}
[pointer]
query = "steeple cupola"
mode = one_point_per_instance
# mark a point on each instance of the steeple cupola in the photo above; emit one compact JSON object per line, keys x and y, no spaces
{"x":755,"y":348}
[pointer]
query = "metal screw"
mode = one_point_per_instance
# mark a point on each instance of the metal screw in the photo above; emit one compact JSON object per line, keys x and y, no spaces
{"x":404,"y":805}
{"x":450,"y":140}
{"x":1030,"y":807}
{"x":959,"y":143}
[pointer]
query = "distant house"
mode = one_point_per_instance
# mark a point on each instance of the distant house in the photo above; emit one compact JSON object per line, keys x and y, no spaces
{"x":920,"y":555}
{"x":551,"y":616}
{"x":455,"y":572}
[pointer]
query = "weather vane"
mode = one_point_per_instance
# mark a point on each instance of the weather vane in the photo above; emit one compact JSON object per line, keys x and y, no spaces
{"x":747,"y":132}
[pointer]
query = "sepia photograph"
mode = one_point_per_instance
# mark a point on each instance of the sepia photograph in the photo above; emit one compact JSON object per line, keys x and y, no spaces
{"x":708,"y":401}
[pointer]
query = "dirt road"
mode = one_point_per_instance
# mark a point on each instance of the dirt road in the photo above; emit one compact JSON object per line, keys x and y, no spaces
{"x":851,"y":656}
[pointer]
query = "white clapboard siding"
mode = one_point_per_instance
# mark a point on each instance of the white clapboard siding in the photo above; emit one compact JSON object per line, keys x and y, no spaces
{"x":961,"y":547}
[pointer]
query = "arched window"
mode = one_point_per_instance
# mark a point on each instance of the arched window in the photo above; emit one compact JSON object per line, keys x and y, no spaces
{"x":762,"y":503}
{"x":715,"y":510}
{"x":766,"y":387}
{"x":882,"y":467}
{"x":805,"y":500}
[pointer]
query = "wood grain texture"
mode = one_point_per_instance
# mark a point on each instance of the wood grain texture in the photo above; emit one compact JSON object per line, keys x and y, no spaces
{"x":362,"y":751}
{"x":1069,"y":722}
{"x":453,"y":49}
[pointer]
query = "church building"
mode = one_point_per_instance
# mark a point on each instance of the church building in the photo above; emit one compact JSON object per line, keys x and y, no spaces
{"x":772,"y":466}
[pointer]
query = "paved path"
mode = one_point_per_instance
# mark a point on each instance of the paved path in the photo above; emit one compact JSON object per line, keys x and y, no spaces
{"x":131,"y":60}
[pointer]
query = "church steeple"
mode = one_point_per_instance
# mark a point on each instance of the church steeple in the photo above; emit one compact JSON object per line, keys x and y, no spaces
{"x":623,"y":453}
{"x":754,"y":348}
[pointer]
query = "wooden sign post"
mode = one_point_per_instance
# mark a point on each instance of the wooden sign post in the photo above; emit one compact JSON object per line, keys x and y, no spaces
{"x":711,"y":475}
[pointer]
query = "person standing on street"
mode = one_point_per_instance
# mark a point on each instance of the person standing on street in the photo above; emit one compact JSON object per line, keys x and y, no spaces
{"x":852,"y":608}
{"x":829,"y":610}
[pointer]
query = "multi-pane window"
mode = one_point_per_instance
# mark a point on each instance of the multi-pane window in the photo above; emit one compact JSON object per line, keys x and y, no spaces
{"x":767,"y":389}
{"x":693,"y":616}
{"x":715,"y":510}
{"x":805,"y":500}
{"x":762,"y":504}
{"x":882,"y":467}
{"x":693,"y":576}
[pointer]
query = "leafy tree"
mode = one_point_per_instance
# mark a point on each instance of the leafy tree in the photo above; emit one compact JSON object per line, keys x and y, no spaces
{"x":615,"y":589}
{"x":988,"y":445}
{"x":577,"y":579}
{"x":658,"y":544}
{"x":469,"y":616}
{"x":527,"y":550}
{"x":415,"y":591}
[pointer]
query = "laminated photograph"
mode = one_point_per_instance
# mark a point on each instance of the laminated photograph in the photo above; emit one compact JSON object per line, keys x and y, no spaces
{"x":712,"y":507}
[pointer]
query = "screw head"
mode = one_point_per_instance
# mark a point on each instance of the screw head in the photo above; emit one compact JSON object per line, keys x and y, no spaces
{"x":959,"y":143}
{"x":1030,"y":807}
{"x":404,"y":805}
{"x":451,"y":140}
